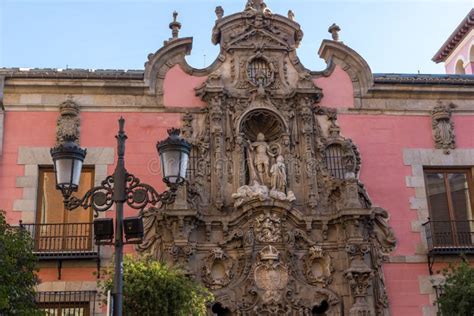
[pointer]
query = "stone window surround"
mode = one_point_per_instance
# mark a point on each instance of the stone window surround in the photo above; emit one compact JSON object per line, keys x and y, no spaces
{"x":418,"y":158}
{"x":34,"y":157}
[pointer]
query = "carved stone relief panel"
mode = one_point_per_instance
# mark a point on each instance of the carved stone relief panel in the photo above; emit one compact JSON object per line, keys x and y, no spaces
{"x":68,"y":122}
{"x":443,"y":127}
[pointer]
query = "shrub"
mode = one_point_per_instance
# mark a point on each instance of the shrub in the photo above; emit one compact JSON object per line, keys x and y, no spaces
{"x":17,"y":271}
{"x":153,"y":288}
{"x":457,"y":293}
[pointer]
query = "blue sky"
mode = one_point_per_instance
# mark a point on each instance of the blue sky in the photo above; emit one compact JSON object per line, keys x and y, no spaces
{"x":393,"y":36}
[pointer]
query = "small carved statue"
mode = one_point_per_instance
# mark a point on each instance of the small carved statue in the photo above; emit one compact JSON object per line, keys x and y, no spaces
{"x":219,"y":12}
{"x":334,"y":29}
{"x":257,"y":6}
{"x":278,"y":172}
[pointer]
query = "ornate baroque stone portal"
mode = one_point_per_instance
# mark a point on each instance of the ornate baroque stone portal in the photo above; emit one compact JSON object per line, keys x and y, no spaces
{"x":276,"y":221}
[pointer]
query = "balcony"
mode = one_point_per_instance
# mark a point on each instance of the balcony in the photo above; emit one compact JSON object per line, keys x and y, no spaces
{"x":70,"y":241}
{"x":67,"y":303}
{"x":450,"y":237}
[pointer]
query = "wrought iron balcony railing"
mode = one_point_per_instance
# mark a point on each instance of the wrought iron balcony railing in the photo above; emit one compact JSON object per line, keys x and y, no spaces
{"x":450,"y":237}
{"x":71,"y":240}
{"x":67,"y":303}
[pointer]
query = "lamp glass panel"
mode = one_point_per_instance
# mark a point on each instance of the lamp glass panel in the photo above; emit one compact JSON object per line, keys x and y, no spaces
{"x":63,"y":171}
{"x":184,"y":164}
{"x":170,"y":162}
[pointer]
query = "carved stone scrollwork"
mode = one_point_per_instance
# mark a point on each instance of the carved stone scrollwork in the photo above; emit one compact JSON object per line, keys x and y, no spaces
{"x":68,"y":123}
{"x":217,"y":269}
{"x":268,"y":228}
{"x":181,"y":252}
{"x":443,"y":127}
{"x":318,"y":267}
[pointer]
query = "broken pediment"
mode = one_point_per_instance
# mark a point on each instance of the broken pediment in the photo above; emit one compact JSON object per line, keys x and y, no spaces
{"x":256,"y":27}
{"x":258,"y":38}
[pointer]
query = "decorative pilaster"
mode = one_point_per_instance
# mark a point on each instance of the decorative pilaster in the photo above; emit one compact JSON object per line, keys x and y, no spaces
{"x":359,"y":276}
{"x":217,"y":160}
{"x":306,"y":115}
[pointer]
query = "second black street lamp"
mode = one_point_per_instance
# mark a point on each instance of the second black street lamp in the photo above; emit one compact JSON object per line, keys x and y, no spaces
{"x":119,"y":188}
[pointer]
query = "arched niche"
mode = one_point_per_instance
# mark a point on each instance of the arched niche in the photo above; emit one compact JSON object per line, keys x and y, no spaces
{"x":459,"y":68}
{"x":265,"y":121}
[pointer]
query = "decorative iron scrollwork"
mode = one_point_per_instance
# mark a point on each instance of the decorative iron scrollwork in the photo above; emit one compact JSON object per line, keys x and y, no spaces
{"x":138,"y":196}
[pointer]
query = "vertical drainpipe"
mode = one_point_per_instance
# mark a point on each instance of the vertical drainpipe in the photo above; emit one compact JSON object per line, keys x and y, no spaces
{"x":2,"y":112}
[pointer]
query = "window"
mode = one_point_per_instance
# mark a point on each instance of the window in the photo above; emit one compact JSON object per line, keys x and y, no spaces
{"x":58,"y":228}
{"x":73,"y":303}
{"x":450,"y":207}
{"x":334,"y":155}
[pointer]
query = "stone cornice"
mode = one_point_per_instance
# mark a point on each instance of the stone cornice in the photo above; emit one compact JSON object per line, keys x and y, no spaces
{"x":425,"y":79}
{"x":51,"y":73}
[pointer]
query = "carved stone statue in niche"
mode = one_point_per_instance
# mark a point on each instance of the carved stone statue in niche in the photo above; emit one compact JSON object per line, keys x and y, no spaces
{"x":279,"y":182}
{"x":259,"y":164}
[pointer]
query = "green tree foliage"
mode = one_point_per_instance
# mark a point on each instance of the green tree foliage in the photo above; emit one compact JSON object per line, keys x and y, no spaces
{"x":457,"y":298}
{"x":17,"y":271}
{"x":153,"y":288}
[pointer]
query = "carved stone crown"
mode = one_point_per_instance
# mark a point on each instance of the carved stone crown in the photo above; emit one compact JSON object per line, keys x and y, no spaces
{"x":269,"y":253}
{"x":69,"y":108}
{"x":442,"y":112}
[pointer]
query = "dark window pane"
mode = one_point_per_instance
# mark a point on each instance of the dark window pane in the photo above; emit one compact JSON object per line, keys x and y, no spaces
{"x":438,"y":200}
{"x":439,"y":209}
{"x":462,"y":212}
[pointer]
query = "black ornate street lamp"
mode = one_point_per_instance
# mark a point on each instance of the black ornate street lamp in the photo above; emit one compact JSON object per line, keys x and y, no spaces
{"x":121,"y":187}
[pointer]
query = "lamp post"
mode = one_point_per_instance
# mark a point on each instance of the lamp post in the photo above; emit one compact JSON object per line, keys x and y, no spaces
{"x":121,"y":187}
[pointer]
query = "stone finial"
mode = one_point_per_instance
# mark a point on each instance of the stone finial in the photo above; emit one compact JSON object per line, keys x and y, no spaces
{"x":334,"y":29}
{"x":219,"y":12}
{"x":175,"y":26}
{"x":291,"y":15}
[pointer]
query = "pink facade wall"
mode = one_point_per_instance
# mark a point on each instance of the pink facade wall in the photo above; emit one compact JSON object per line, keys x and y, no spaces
{"x":178,"y":88}
{"x":34,"y":129}
{"x":337,"y":89}
{"x":381,"y":140}
{"x":97,"y":130}
{"x":466,"y":54}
